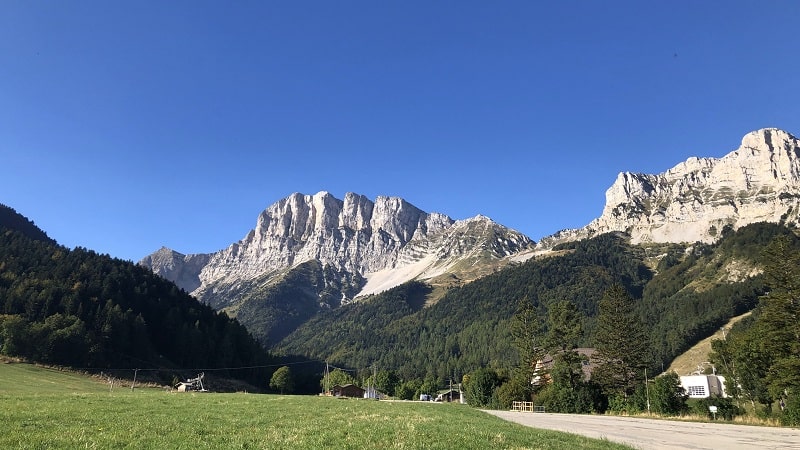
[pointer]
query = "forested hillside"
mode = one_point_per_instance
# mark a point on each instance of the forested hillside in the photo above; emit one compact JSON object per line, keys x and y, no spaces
{"x":681,"y":294}
{"x":760,"y":357}
{"x":273,"y":309}
{"x":9,"y":218}
{"x":82,"y":309}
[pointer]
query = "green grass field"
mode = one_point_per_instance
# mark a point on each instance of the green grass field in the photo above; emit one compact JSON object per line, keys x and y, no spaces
{"x":43,"y":408}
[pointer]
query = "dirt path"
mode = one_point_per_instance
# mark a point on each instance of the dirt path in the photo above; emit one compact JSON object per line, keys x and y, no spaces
{"x":649,"y":434}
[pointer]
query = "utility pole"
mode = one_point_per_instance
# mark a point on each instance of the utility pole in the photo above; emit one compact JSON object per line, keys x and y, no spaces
{"x":647,"y":390}
{"x":450,"y":391}
{"x":326,"y":379}
{"x":135,"y":371}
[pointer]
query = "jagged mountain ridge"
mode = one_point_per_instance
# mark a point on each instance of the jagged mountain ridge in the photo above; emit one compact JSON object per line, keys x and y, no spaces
{"x":388,"y":241}
{"x":313,"y":252}
{"x":698,"y":198}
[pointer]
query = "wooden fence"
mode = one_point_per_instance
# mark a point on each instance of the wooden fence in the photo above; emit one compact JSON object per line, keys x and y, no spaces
{"x":526,"y":407}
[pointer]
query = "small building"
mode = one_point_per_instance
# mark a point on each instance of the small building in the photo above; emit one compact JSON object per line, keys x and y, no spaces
{"x":704,"y":386}
{"x":451,"y":395}
{"x":347,"y":390}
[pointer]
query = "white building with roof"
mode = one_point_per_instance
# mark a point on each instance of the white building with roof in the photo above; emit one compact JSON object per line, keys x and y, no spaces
{"x":704,"y":386}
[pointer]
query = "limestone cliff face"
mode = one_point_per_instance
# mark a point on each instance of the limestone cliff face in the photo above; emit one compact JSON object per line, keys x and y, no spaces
{"x":696,"y":199}
{"x":354,"y":236}
{"x":183,"y":270}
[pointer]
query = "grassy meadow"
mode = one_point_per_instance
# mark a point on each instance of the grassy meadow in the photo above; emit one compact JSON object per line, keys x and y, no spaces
{"x":44,"y":408}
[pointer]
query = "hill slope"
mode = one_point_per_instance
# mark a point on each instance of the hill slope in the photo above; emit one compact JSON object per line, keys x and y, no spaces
{"x":78,"y":308}
{"x":683,"y":295}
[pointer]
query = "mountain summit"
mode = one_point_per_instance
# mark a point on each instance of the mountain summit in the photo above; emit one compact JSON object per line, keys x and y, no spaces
{"x":698,"y":198}
{"x":339,"y":249}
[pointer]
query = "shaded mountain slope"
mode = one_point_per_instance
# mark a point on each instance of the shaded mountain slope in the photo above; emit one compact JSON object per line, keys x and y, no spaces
{"x":78,"y":308}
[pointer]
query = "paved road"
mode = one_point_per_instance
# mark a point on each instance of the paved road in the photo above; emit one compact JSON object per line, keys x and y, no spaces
{"x":647,"y":434}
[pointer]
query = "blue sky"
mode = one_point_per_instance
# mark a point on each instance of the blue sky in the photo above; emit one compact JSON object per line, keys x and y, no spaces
{"x":125,"y":126}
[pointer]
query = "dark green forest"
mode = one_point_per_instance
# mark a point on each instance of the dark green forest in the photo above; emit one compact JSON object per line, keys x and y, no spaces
{"x":85,"y":310}
{"x":681,"y":293}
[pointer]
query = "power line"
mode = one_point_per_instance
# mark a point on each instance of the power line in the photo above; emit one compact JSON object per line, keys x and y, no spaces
{"x":195,"y":369}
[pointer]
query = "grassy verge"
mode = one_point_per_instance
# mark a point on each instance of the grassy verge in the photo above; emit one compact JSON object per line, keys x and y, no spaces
{"x":77,"y":415}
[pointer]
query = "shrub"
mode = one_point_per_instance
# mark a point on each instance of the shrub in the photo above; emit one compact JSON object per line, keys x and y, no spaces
{"x":517,"y":389}
{"x":480,"y":387}
{"x":667,"y":395}
{"x":726,"y":410}
{"x":791,"y":412}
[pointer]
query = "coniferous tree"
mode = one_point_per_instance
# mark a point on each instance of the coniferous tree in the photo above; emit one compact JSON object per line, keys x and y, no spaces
{"x":621,"y":344}
{"x":564,"y":327}
{"x":526,"y":330}
{"x":82,"y":309}
{"x":779,"y":323}
{"x":479,"y":387}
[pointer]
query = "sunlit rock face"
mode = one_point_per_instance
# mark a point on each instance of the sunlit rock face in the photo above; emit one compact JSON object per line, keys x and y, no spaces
{"x":389,"y":236}
{"x":695,"y":200}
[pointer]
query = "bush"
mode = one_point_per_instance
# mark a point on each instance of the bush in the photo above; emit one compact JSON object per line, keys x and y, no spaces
{"x":585,"y":398}
{"x":726,"y":410}
{"x":667,"y":395}
{"x":407,"y":389}
{"x":480,"y":387}
{"x":517,"y":389}
{"x":791,"y":412}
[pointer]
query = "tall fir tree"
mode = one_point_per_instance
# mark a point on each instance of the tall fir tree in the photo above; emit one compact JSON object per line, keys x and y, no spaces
{"x":526,"y":330}
{"x":565,"y":327}
{"x":621,"y":342}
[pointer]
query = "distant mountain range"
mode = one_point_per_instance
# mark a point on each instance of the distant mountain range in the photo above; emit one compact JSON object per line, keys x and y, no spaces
{"x":363,"y":282}
{"x":345,"y":249}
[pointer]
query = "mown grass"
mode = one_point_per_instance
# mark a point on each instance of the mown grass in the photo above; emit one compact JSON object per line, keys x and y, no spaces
{"x":91,"y":416}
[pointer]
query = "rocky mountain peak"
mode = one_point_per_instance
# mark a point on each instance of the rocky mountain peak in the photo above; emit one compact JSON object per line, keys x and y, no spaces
{"x":177,"y":267}
{"x":355,"y":235}
{"x":696,"y":199}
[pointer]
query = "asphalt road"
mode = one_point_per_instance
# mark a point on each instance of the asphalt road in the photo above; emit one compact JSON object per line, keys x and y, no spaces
{"x":647,"y":434}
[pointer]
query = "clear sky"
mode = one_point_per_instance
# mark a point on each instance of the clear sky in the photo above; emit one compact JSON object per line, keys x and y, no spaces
{"x":128,"y":125}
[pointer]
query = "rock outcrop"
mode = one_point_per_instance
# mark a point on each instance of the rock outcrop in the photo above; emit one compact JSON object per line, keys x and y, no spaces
{"x":183,"y":270}
{"x":387,"y":242}
{"x":696,"y":199}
